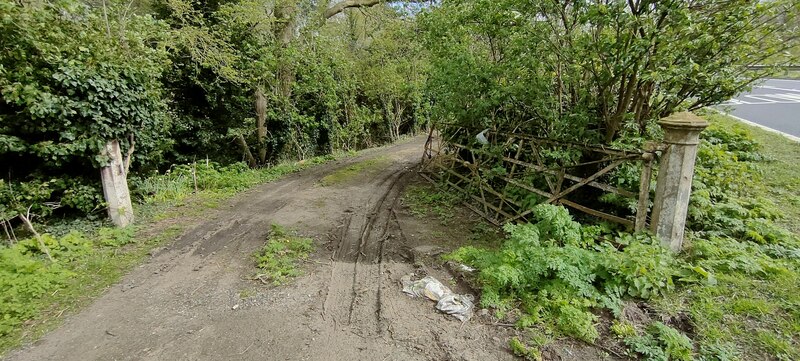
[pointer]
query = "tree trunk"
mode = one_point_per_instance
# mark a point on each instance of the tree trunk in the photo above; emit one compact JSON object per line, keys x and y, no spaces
{"x":261,"y":125}
{"x":115,"y":186}
{"x":286,"y":17}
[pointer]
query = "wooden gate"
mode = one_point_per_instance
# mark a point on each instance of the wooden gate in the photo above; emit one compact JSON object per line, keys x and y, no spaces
{"x":499,"y":163}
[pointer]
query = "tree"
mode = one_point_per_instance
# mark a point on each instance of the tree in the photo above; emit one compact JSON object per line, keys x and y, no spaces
{"x":594,"y":70}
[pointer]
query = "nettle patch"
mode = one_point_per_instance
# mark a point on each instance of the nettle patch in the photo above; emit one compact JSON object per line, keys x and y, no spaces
{"x":556,"y":271}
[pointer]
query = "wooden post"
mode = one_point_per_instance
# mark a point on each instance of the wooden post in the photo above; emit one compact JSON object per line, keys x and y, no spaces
{"x":644,"y":192}
{"x":115,"y":186}
{"x":675,"y":173}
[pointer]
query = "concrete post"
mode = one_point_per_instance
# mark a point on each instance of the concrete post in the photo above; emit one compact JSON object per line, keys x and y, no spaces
{"x":681,"y":135}
{"x":115,"y":186}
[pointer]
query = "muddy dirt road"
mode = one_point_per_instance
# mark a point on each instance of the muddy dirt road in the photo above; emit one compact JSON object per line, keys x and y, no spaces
{"x":195,"y":300}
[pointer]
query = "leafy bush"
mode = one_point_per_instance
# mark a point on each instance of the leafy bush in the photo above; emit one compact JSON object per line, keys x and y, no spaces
{"x":554,"y":269}
{"x":594,"y":71}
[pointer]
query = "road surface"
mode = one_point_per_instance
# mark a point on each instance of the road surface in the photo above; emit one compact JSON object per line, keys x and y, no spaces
{"x":774,"y":103}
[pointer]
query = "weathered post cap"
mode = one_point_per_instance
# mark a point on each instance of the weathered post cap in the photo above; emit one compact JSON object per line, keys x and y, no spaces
{"x":684,"y":120}
{"x":683,"y":128}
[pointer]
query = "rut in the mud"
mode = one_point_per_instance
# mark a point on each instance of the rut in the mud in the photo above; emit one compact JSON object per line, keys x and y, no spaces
{"x":353,"y":296}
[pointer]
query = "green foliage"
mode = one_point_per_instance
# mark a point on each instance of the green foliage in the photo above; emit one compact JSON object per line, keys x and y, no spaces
{"x":176,"y":81}
{"x":518,"y":348}
{"x":595,"y":71}
{"x":733,"y":279}
{"x":71,"y":78}
{"x":24,"y":278}
{"x":738,"y":236}
{"x":340,"y":85}
{"x":726,"y":176}
{"x":425,"y":201}
{"x":278,"y":260}
{"x":623,"y":329}
{"x":661,"y":343}
{"x":554,"y":267}
{"x":27,"y":278}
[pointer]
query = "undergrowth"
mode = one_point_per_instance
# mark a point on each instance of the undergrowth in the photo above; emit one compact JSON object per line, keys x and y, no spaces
{"x":28,"y":280}
{"x":556,"y":271}
{"x":424,"y":201}
{"x":178,"y":182}
{"x":736,"y":280}
{"x":278,"y":260}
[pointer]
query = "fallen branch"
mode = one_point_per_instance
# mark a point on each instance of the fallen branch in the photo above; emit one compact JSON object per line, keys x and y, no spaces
{"x":26,"y":219}
{"x":6,"y":226}
{"x":248,"y":155}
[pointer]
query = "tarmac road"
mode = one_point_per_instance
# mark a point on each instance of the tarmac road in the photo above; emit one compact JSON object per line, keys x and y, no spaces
{"x":774,"y":103}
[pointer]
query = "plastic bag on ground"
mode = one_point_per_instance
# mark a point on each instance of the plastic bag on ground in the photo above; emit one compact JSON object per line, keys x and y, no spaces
{"x":427,"y":287}
{"x":458,"y":306}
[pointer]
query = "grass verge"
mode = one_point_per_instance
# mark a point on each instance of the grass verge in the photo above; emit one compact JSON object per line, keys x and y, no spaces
{"x":428,"y":201}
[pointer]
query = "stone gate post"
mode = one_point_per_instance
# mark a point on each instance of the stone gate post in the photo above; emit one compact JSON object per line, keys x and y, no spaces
{"x":674,"y":185}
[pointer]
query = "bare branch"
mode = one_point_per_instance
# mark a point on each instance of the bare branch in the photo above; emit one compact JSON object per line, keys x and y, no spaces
{"x":342,"y":5}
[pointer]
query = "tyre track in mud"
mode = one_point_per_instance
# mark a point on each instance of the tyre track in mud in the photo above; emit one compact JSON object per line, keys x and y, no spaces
{"x":359,"y":258}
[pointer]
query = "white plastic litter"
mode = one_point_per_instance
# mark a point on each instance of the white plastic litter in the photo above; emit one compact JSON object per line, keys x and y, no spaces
{"x":458,"y":306}
{"x":465,"y":268}
{"x":481,"y":137}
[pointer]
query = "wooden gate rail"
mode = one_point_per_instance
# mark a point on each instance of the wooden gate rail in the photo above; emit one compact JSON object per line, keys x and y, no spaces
{"x":443,"y":157}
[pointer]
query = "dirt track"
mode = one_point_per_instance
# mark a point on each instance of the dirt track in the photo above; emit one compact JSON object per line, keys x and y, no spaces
{"x":193,"y":300}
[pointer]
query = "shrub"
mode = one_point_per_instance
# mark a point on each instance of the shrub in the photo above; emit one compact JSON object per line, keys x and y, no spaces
{"x":555,"y":266}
